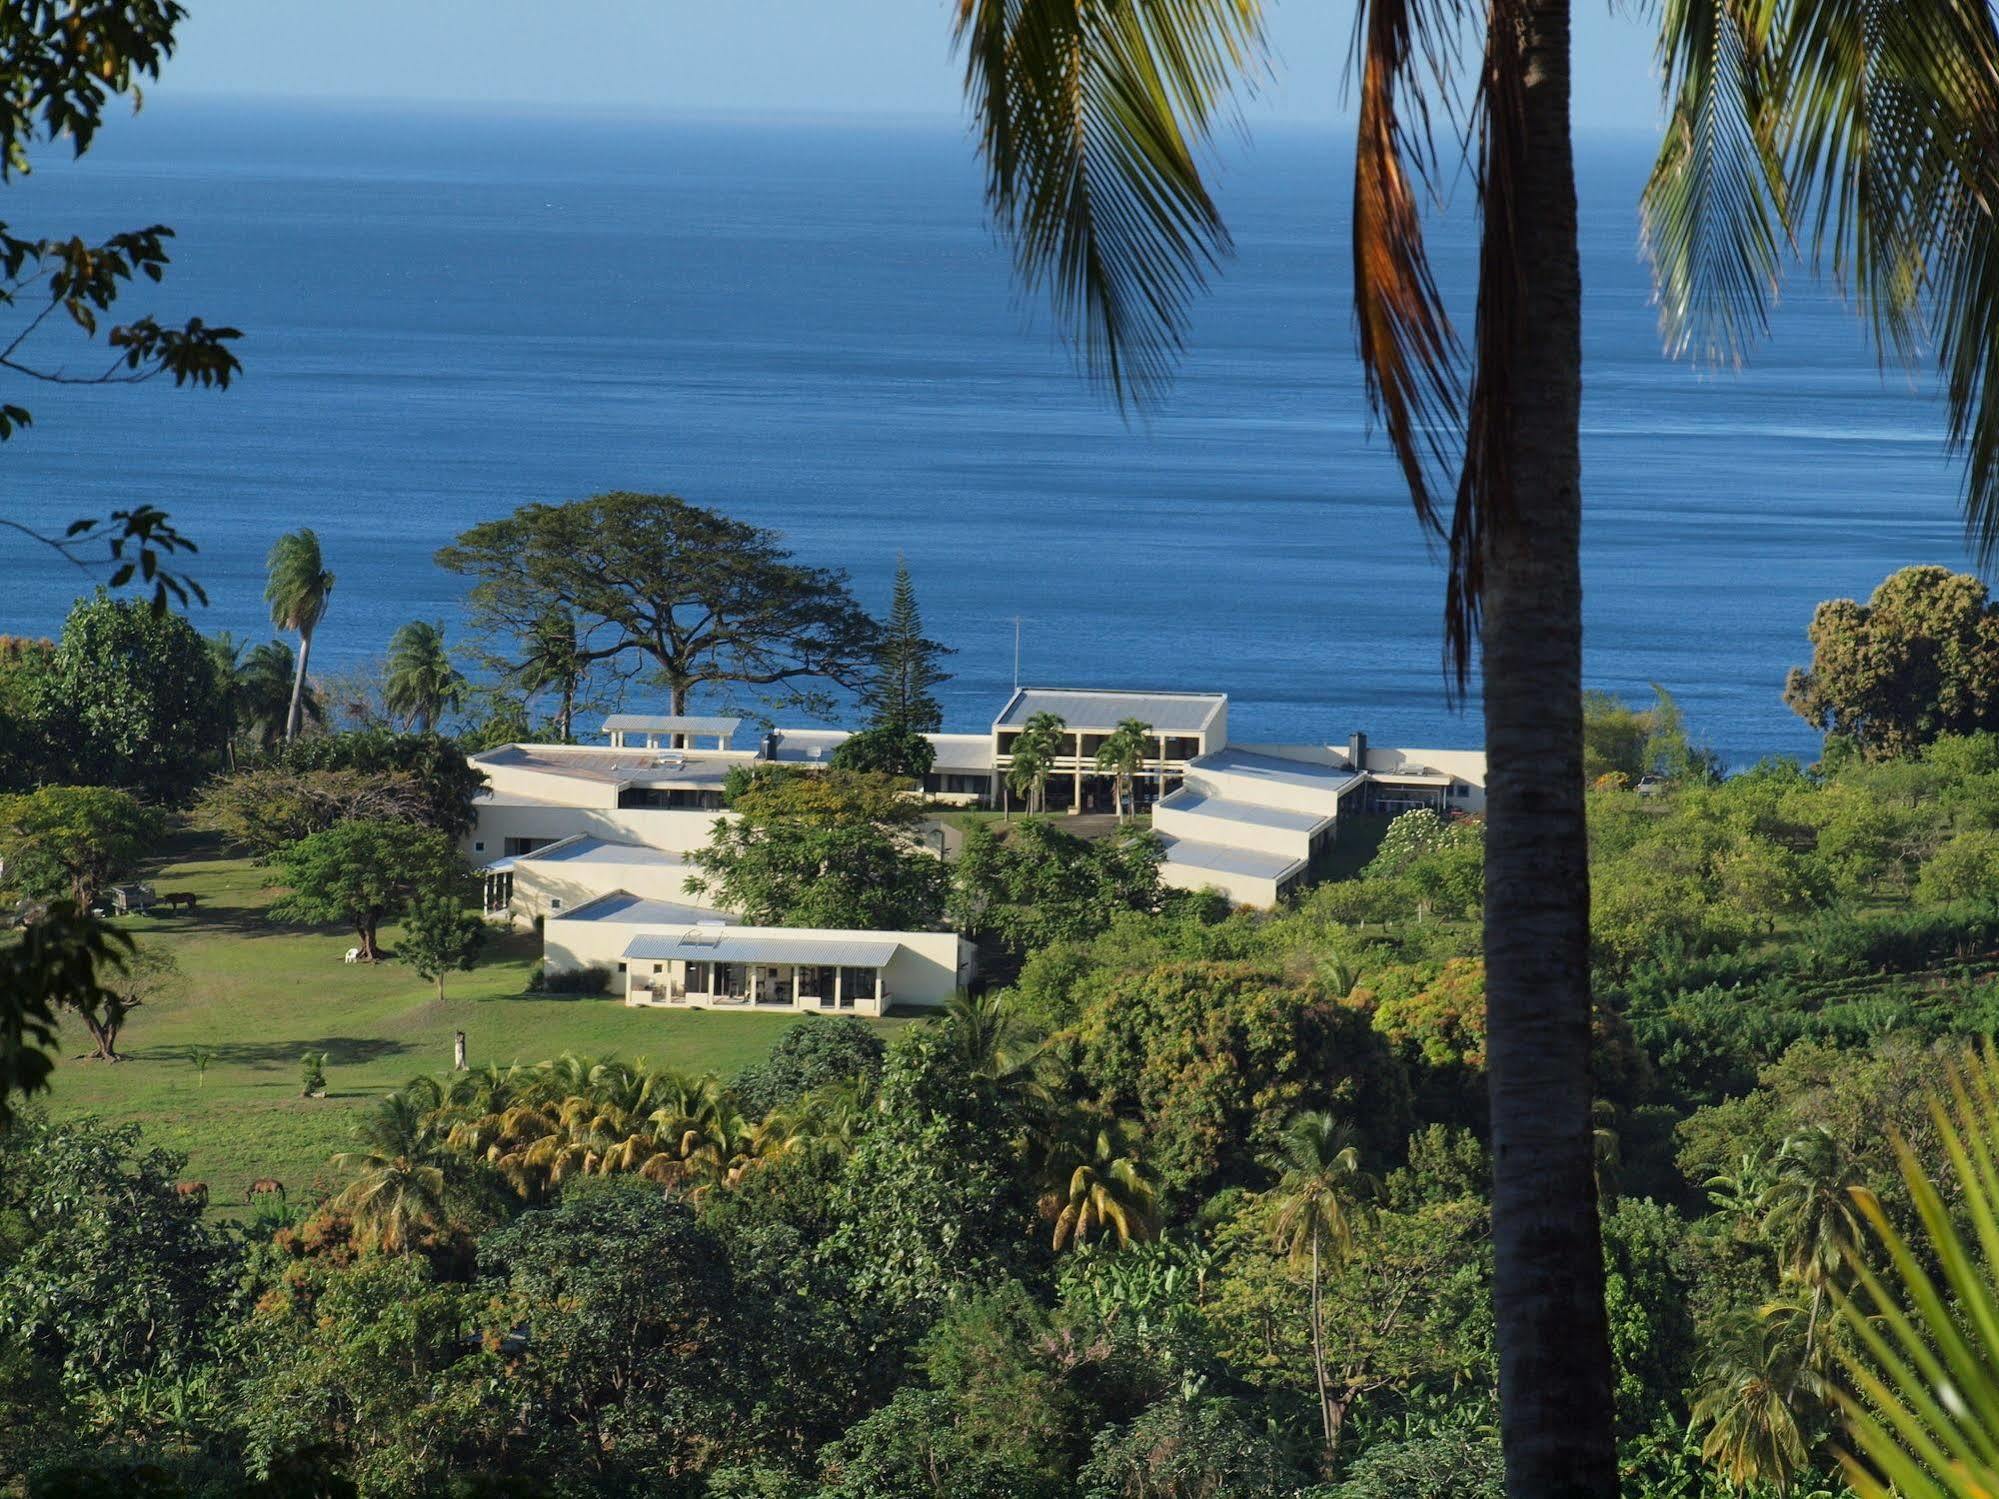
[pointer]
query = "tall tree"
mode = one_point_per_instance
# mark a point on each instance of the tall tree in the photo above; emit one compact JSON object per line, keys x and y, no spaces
{"x":297,"y":588}
{"x":1316,"y":1195}
{"x":421,"y":685}
{"x":687,"y":596}
{"x":902,"y":693}
{"x":1859,"y":127}
{"x":550,"y":661}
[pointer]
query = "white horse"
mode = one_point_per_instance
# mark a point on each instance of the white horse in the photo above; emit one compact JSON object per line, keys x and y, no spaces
{"x":353,"y":955}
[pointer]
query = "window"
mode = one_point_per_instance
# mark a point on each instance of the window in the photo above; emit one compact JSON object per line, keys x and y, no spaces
{"x":555,"y":903}
{"x":518,"y":846}
{"x":478,"y":848}
{"x":697,"y":978}
{"x":621,"y":968}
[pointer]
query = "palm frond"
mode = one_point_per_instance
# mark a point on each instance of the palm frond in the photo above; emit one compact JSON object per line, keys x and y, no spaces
{"x":1923,"y":1407}
{"x":1714,"y":211}
{"x":1090,"y":116}
{"x":1408,"y":348}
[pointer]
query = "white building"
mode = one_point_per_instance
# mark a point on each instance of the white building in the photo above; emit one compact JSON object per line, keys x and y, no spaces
{"x":675,"y":955}
{"x":561,"y":825}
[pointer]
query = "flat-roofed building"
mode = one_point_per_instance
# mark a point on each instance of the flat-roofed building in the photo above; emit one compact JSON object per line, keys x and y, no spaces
{"x":675,"y":955}
{"x":668,"y":730}
{"x":1180,"y":728}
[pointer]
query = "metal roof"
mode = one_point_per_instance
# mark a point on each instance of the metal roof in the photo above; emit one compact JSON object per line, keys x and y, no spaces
{"x":631,"y":766}
{"x":1276,"y":769}
{"x":1200,"y":804}
{"x":622,"y":908}
{"x":722,"y":945}
{"x":669,"y":723}
{"x":1100,"y":708}
{"x":1191,"y":853}
{"x":581,"y":848}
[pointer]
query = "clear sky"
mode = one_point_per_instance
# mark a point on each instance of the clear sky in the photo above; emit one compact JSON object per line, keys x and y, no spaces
{"x":755,"y":56}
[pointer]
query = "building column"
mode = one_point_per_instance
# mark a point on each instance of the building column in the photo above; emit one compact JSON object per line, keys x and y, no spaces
{"x":1075,"y":801}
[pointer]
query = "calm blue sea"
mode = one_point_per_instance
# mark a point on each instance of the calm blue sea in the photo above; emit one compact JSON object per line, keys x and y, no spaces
{"x":809,"y":325}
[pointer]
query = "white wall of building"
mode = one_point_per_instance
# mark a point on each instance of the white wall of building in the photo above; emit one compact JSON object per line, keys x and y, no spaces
{"x":549,"y":889}
{"x":927,"y":969}
{"x":657,"y":827}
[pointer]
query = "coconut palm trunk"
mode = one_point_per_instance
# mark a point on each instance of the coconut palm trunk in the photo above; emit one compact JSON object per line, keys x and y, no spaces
{"x":1554,"y":1350}
{"x":295,"y":713}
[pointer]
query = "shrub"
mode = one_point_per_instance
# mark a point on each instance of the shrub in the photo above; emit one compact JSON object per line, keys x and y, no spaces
{"x":594,"y":979}
{"x":820,"y":1051}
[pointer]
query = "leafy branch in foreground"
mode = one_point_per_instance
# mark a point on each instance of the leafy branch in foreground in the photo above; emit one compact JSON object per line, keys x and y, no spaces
{"x":60,"y":62}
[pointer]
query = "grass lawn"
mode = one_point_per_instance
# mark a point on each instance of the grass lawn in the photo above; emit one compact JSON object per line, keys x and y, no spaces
{"x":256,"y":995}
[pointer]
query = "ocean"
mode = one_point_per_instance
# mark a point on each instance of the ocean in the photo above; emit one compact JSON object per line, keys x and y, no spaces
{"x":810,"y":325}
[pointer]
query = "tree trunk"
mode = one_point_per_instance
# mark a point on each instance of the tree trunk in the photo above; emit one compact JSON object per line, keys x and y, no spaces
{"x":364,"y":928}
{"x":568,"y":713}
{"x":1554,"y":1348}
{"x":295,"y":712}
{"x":1327,"y":1430}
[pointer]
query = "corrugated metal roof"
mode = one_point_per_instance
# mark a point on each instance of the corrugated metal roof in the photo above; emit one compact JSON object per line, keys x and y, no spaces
{"x":1093,"y":708}
{"x":740,"y":946}
{"x":669,"y":723}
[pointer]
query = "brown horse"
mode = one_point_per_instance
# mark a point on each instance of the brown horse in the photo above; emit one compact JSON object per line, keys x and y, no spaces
{"x":180,"y":900}
{"x":263,"y":1186}
{"x":196,"y":1192}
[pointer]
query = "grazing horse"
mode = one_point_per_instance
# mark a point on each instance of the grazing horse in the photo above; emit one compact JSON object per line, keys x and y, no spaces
{"x":263,"y":1186}
{"x":181,"y":900}
{"x":195,"y":1192}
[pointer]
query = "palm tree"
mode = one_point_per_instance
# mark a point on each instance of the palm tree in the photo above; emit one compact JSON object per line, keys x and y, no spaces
{"x":552,"y":660}
{"x":1321,"y":1183}
{"x":1097,"y":1186}
{"x":1745,"y":1396}
{"x":1034,"y":750}
{"x":1859,"y":126}
{"x":1810,"y":1218}
{"x":1123,"y":754}
{"x":997,"y":1048}
{"x":406,"y":1181}
{"x":297,"y":587}
{"x":422,"y":685}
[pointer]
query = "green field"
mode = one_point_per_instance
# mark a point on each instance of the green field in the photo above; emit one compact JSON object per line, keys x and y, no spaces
{"x":256,"y":995}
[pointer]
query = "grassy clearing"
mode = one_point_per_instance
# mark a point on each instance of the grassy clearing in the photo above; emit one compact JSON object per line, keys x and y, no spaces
{"x":257,"y":995}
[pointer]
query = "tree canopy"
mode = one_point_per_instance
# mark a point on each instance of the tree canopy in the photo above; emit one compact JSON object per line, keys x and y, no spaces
{"x":685,"y":598}
{"x":837,"y":848}
{"x":364,"y":873}
{"x":72,"y":841}
{"x":132,"y":699}
{"x":1918,"y":660}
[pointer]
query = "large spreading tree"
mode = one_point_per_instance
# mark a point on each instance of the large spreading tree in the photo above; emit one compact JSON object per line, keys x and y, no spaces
{"x":686,"y":598}
{"x":1858,"y":129}
{"x":1918,"y":660}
